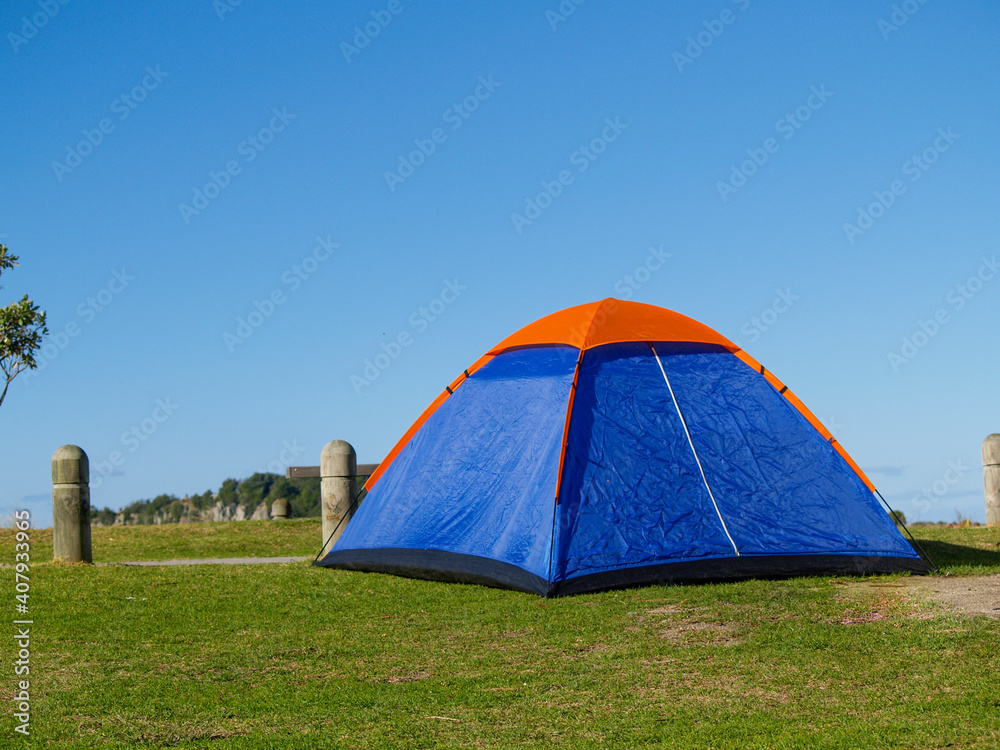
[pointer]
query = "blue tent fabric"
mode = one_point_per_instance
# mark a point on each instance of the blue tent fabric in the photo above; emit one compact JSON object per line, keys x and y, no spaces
{"x":631,"y":493}
{"x":721,"y":479}
{"x":479,"y":477}
{"x":778,"y":482}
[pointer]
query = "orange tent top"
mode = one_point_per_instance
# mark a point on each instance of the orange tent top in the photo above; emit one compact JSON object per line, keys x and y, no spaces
{"x":611,"y":321}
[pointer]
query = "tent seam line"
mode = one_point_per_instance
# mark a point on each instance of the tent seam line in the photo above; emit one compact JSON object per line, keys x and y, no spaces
{"x":704,"y":479}
{"x":562,"y":462}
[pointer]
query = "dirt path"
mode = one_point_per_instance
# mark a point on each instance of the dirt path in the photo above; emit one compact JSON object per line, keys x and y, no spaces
{"x":974,"y":595}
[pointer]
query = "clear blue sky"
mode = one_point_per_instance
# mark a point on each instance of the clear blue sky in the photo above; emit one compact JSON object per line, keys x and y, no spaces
{"x":738,"y":138}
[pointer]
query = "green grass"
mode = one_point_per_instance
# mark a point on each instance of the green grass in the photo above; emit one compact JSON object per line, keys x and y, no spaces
{"x":971,"y":551}
{"x":293,"y":538}
{"x":289,"y":656}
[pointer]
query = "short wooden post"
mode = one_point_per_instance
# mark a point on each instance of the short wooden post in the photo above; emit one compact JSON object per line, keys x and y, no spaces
{"x":71,"y":505}
{"x":280,"y":510}
{"x":991,"y":478}
{"x":338,"y":468}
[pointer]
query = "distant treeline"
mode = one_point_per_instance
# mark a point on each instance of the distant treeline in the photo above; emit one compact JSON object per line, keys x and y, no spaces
{"x":235,"y":500}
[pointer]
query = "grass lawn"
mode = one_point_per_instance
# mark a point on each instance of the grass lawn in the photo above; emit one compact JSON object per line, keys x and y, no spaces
{"x":971,"y":551}
{"x":181,"y":541}
{"x":290,"y":656}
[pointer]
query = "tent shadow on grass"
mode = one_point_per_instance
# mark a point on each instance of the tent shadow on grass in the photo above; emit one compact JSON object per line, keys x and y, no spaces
{"x":946,"y":554}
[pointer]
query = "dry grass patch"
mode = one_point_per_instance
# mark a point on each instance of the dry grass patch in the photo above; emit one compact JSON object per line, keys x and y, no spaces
{"x":397,"y":676}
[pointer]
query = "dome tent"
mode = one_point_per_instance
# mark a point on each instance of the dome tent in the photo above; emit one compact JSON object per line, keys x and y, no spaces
{"x":614,"y":444}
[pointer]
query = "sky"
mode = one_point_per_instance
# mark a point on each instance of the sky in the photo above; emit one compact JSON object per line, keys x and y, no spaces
{"x":232,"y":213}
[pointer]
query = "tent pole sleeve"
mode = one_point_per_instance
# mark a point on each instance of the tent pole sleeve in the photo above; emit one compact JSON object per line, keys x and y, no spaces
{"x":691,"y":443}
{"x":562,"y":458}
{"x":569,"y":414}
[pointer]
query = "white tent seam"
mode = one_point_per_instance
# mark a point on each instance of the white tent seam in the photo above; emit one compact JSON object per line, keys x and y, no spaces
{"x":704,"y":479}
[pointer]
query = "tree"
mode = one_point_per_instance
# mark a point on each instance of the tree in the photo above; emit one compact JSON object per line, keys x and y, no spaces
{"x":305,"y":501}
{"x":202,"y":501}
{"x":254,"y":489}
{"x":22,"y":326}
{"x":228,"y":493}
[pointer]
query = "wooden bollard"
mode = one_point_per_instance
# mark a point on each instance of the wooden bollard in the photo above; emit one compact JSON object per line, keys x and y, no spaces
{"x":991,"y":478}
{"x":280,"y":510}
{"x":71,"y":505}
{"x":338,"y":467}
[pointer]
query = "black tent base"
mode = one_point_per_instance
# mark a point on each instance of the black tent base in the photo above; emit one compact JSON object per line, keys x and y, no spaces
{"x":449,"y":566}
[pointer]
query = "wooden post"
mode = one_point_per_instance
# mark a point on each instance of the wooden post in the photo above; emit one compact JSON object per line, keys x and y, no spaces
{"x":280,"y":510}
{"x":338,"y":487}
{"x":71,"y":505}
{"x":991,"y":478}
